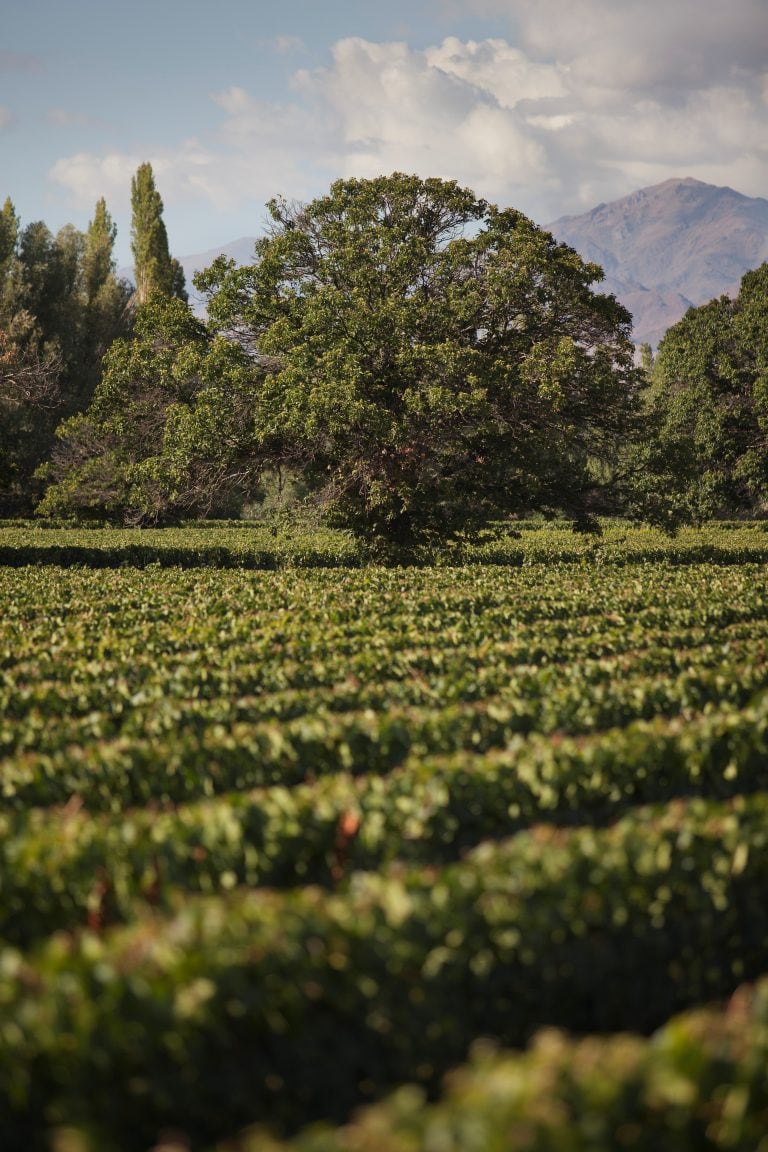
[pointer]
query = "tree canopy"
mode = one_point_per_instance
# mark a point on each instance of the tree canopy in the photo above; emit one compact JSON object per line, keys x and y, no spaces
{"x":61,"y":305}
{"x":430,"y":360}
{"x":130,"y":454}
{"x":169,"y":430}
{"x":710,"y":391}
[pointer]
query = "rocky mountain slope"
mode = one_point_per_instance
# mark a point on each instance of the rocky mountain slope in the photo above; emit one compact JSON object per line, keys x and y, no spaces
{"x":669,"y":246}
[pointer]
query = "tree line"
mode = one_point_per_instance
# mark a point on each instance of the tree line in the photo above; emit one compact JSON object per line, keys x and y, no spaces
{"x":417,"y":361}
{"x":62,"y":306}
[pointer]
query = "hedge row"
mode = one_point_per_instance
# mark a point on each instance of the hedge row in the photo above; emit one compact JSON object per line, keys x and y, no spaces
{"x":700,"y":1084}
{"x":105,"y":622}
{"x":115,"y":554}
{"x":61,"y":698}
{"x":383,"y":714}
{"x":248,"y":546}
{"x":196,"y":760}
{"x":47,"y":715}
{"x":221,"y":547}
{"x":72,"y":869}
{"x":299,"y":1005}
{"x":459,"y":606}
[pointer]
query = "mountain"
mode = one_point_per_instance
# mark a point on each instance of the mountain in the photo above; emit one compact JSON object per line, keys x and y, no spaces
{"x":669,"y":246}
{"x":241,"y":251}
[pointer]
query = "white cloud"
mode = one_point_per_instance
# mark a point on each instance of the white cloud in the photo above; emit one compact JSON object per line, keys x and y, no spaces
{"x":88,"y":177}
{"x":431,"y":112}
{"x":551,"y":123}
{"x":495,"y":67}
{"x":638,"y":43}
{"x":594,"y":99}
{"x":259,"y":151}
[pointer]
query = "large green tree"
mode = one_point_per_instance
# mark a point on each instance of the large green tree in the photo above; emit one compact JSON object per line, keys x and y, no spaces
{"x":155,"y":270}
{"x":710,"y":394}
{"x":431,"y":360}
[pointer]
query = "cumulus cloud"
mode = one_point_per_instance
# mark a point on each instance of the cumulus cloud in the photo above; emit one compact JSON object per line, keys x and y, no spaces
{"x":498,"y":69}
{"x":88,"y":177}
{"x":260,"y":150}
{"x":585,"y":101}
{"x":431,"y":112}
{"x":179,"y":173}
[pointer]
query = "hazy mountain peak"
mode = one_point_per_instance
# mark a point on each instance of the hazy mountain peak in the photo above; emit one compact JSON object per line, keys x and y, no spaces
{"x":241,"y":251}
{"x":670,"y":245}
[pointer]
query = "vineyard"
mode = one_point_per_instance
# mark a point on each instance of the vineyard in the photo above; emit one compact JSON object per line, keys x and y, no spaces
{"x":284,"y":835}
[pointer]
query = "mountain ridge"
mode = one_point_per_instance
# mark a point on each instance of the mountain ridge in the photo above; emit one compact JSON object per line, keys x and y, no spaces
{"x":669,"y":246}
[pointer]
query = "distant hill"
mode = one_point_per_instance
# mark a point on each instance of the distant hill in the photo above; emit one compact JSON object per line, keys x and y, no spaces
{"x":241,"y":251}
{"x":669,"y":246}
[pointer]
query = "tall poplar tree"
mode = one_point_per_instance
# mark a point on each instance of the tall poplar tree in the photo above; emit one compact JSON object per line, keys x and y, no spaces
{"x":155,"y":270}
{"x":104,"y":305}
{"x":9,"y":232}
{"x":97,"y":256}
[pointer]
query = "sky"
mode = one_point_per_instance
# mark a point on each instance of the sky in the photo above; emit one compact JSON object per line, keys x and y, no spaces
{"x":551,"y":106}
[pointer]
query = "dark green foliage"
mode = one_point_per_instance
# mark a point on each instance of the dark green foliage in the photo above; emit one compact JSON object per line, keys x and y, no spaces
{"x":170,"y":429}
{"x":710,"y":391}
{"x":486,"y":738}
{"x":279,"y":699}
{"x":273,"y":543}
{"x":430,"y":810}
{"x":9,"y":232}
{"x":105,"y":301}
{"x":699,"y":1085}
{"x":298,"y":1005}
{"x":432,"y":361}
{"x":60,"y":307}
{"x":97,"y":256}
{"x":108,"y":460}
{"x":200,"y":544}
{"x":30,"y":400}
